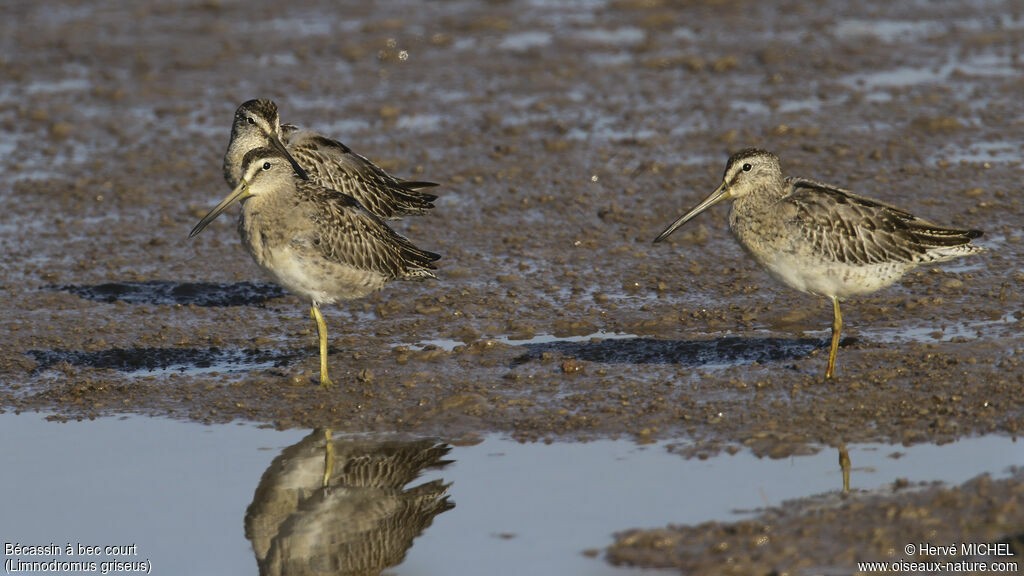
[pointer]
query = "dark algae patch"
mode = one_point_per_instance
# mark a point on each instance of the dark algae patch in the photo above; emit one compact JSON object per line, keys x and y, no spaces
{"x":132,"y":360}
{"x":162,"y":292}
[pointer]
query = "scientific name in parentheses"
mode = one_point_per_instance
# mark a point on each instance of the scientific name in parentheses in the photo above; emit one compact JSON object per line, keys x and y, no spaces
{"x":17,"y":549}
{"x":51,"y":565}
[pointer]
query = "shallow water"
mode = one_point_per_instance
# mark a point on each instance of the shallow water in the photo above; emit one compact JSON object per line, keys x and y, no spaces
{"x":180,"y":491}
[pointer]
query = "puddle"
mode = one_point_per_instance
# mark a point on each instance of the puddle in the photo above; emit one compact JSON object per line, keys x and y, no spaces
{"x":620,"y":36}
{"x":963,"y":331}
{"x":915,"y":30}
{"x":520,"y":41}
{"x":980,"y":153}
{"x":214,"y":499}
{"x":305,"y":26}
{"x":760,"y":108}
{"x":888,"y":30}
{"x":749,"y":107}
{"x":55,"y":86}
{"x":801,"y":105}
{"x":449,"y":345}
{"x":990,"y":65}
{"x":420,"y":123}
{"x":610,"y":59}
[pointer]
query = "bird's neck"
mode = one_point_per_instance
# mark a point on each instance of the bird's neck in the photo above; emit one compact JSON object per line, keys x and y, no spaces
{"x":761,"y":198}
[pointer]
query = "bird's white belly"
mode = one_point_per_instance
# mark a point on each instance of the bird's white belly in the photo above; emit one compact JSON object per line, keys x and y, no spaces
{"x":832,"y":278}
{"x":318,"y":280}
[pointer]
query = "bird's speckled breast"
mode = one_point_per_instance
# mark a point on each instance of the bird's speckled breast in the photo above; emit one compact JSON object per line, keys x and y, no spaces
{"x":287,"y":253}
{"x":791,"y":258}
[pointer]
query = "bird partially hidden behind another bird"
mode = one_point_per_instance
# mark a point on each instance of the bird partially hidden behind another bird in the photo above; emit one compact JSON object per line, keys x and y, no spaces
{"x":322,"y":160}
{"x":821,"y":239}
{"x":318,"y":243}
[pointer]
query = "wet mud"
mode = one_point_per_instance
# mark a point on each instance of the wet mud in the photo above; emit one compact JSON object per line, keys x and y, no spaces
{"x":831,"y":534}
{"x":565,"y":136}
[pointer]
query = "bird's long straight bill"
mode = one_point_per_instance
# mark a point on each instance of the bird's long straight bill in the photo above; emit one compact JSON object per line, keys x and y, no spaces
{"x":241,"y":191}
{"x":720,"y":193}
{"x":280,"y":147}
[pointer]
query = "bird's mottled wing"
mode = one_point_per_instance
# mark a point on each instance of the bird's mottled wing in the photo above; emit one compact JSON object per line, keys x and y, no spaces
{"x":388,"y":464}
{"x":848,"y":228}
{"x":334,"y":165}
{"x":347,"y":233}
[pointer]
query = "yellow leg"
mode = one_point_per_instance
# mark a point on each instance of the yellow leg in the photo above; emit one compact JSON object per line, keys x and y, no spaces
{"x":328,"y":457}
{"x":844,"y":465}
{"x":837,"y":326}
{"x":321,"y":331}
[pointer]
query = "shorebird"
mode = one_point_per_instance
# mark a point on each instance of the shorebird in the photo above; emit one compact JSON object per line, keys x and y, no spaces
{"x":317,"y":243}
{"x":322,"y":160}
{"x":821,"y":239}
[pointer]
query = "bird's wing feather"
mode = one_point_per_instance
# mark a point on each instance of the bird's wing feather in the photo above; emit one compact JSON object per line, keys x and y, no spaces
{"x":347,"y":233}
{"x":856,"y":230}
{"x":334,"y":165}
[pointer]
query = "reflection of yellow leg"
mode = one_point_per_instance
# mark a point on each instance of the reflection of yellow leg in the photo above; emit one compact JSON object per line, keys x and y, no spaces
{"x":844,"y":465}
{"x":321,"y":331}
{"x":837,"y":326}
{"x":328,"y":457}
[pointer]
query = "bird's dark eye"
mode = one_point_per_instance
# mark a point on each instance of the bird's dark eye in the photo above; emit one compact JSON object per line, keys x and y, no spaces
{"x":250,"y":120}
{"x":266,"y":165}
{"x":747,"y":167}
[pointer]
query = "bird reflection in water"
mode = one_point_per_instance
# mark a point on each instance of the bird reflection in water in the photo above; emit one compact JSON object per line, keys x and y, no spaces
{"x":340,"y":506}
{"x":844,"y":466}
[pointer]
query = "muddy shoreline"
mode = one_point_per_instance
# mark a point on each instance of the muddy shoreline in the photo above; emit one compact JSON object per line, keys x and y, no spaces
{"x":565,"y":136}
